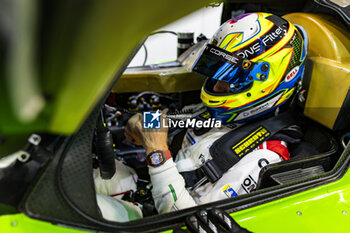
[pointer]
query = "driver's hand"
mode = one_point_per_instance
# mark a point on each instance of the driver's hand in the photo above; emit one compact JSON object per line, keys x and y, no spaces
{"x":131,"y":134}
{"x":150,"y":139}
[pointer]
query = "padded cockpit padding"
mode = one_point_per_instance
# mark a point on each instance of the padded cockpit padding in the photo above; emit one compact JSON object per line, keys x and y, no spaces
{"x":329,"y":58}
{"x":65,"y":192}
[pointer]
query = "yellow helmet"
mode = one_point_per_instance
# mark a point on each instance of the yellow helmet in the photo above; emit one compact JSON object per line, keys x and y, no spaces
{"x":261,"y":56}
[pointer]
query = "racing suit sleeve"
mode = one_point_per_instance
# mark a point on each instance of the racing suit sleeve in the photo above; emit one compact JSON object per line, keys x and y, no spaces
{"x":169,"y":192}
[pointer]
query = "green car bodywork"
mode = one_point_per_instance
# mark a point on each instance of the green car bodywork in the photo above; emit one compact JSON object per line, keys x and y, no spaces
{"x":85,"y":46}
{"x":83,"y":50}
{"x":322,"y":209}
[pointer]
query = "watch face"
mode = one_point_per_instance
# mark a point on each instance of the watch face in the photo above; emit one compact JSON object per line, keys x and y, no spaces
{"x":156,"y":158}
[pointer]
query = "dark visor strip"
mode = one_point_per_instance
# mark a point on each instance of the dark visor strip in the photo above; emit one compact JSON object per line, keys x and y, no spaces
{"x":278,"y":21}
{"x":228,"y":57}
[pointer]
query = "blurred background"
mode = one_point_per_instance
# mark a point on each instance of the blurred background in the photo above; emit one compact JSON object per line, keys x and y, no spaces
{"x":162,"y":47}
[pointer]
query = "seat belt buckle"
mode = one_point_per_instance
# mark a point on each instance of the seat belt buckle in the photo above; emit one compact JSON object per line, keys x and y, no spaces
{"x":211,"y":171}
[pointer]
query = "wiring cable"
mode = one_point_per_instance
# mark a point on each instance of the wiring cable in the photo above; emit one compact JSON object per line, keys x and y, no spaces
{"x":154,"y":33}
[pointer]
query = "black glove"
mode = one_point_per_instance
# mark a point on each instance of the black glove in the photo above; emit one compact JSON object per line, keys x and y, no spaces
{"x":212,"y":221}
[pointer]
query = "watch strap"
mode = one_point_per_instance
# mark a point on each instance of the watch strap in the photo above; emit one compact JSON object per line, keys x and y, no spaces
{"x":167,"y":154}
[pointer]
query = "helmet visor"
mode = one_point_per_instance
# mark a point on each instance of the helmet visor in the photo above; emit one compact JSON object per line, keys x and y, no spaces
{"x":219,"y":64}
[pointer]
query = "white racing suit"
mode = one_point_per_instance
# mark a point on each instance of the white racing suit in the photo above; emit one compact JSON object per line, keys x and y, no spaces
{"x":169,"y":192}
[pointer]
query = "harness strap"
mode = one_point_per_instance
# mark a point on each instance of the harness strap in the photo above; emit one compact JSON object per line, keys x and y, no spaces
{"x":234,"y":145}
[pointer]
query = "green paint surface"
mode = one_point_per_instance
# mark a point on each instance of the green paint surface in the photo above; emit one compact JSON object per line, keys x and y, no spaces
{"x":323,"y":209}
{"x":20,"y":223}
